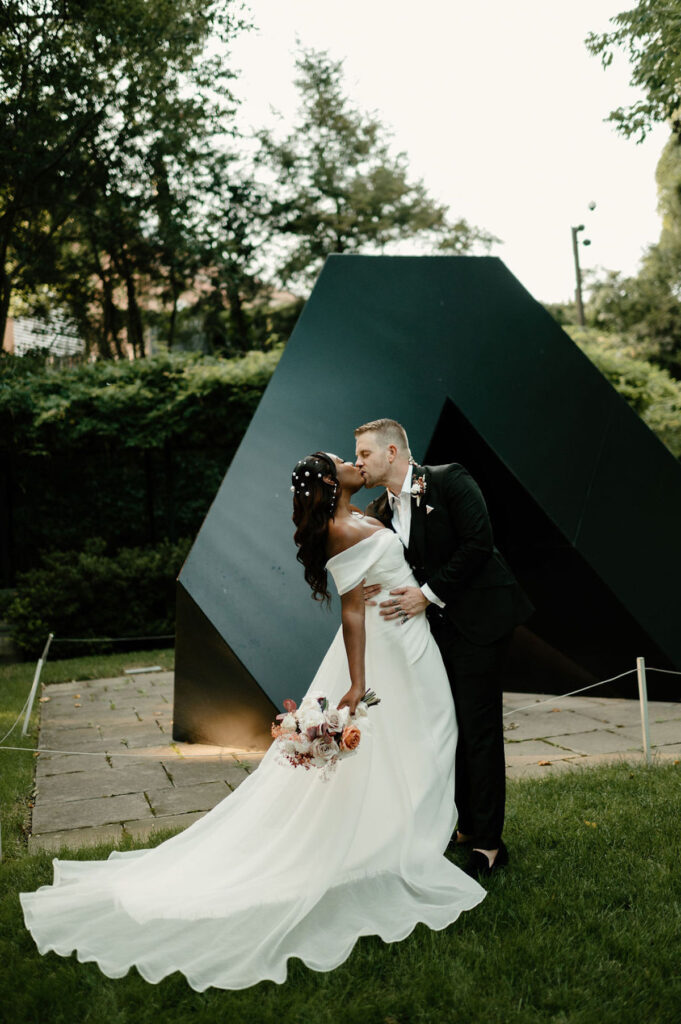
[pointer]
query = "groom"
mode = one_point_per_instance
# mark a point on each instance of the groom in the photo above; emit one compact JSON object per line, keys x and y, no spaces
{"x":473,"y":603}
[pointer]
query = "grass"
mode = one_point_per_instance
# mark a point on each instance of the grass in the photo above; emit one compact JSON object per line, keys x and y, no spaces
{"x":583,"y":927}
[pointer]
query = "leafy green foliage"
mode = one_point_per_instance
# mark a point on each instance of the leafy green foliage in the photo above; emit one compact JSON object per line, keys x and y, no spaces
{"x":338,"y":188}
{"x":129,"y":451}
{"x":140,"y":404}
{"x":652,"y":392}
{"x":647,"y":307}
{"x":650,"y":36}
{"x":105,"y":126}
{"x":89,"y":593}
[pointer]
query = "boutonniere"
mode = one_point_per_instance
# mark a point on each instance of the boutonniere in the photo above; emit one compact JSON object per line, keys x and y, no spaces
{"x":418,"y":489}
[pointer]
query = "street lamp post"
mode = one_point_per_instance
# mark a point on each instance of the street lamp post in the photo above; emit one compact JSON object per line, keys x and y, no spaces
{"x":578,"y":273}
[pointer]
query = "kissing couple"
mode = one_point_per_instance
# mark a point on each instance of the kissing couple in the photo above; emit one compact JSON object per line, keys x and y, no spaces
{"x":298,"y":864}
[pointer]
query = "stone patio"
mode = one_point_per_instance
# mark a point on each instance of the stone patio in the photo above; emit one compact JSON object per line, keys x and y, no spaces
{"x":121,"y":773}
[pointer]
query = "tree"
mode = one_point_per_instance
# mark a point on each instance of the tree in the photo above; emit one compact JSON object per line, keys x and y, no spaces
{"x":650,"y":35}
{"x":103,"y":122}
{"x":230,"y":229}
{"x":646,"y":308}
{"x":336,"y":186}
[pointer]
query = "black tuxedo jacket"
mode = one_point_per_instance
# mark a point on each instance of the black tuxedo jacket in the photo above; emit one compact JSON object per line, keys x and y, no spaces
{"x":452,"y":550}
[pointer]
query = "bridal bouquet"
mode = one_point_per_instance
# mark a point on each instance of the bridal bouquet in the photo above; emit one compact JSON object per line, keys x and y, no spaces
{"x":318,"y":735}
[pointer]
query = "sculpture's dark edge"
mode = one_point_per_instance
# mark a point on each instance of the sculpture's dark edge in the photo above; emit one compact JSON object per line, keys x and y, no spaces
{"x":478,"y":372}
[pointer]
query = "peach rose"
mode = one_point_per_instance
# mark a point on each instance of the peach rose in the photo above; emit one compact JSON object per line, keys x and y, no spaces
{"x":350,"y":738}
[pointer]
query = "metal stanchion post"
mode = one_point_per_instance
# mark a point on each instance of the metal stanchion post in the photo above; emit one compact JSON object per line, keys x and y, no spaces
{"x":36,"y":679}
{"x":643,"y":698}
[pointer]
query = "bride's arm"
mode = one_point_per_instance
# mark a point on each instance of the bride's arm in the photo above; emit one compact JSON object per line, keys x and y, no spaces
{"x":354,"y":637}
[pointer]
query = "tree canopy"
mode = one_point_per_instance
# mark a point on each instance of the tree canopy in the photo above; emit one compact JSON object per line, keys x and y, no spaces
{"x":129,"y":200}
{"x":650,"y":36}
{"x":104,"y":122}
{"x":337,"y":187}
{"x":646,"y":308}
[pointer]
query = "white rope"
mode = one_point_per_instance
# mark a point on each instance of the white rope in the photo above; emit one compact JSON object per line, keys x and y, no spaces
{"x":109,"y":639}
{"x":18,"y":719}
{"x":667,"y":671}
{"x":107,"y":753}
{"x":175,"y":753}
{"x":552,"y":700}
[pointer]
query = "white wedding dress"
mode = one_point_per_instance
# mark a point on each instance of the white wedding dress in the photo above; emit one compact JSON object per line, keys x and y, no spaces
{"x":291,"y":865}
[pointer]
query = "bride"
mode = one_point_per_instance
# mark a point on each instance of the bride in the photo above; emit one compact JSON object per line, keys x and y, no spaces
{"x":292,"y":864}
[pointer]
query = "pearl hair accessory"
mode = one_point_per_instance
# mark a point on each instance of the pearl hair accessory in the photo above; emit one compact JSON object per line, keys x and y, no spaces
{"x":306,"y":470}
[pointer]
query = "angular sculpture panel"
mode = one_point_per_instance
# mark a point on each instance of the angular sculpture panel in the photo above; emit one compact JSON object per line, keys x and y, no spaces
{"x":584,"y":499}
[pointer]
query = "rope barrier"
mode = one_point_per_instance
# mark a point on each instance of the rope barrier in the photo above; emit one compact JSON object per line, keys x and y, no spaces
{"x":560,"y":696}
{"x":109,"y":639}
{"x":667,"y":671}
{"x":108,"y":753}
{"x":169,"y":752}
{"x":16,"y":722}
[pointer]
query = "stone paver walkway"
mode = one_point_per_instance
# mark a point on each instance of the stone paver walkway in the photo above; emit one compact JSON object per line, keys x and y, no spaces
{"x":124,"y":774}
{"x":140,"y":780}
{"x":572,"y":731}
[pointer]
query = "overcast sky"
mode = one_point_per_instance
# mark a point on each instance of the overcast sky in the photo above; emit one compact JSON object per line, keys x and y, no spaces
{"x":499,"y":108}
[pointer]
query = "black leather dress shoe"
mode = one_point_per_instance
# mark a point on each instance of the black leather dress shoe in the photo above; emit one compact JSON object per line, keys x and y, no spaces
{"x":478,"y":865}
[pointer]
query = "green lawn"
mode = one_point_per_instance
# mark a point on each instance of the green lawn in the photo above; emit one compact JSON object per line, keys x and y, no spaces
{"x":583,"y":927}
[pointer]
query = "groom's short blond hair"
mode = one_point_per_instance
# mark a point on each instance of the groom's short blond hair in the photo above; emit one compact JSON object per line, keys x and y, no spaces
{"x":387,"y":432}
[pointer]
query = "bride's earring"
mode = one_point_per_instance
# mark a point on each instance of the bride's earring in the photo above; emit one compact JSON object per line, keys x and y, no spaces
{"x":334,"y":498}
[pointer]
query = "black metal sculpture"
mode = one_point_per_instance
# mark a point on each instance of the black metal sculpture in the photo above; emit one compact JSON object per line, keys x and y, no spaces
{"x":584,"y":499}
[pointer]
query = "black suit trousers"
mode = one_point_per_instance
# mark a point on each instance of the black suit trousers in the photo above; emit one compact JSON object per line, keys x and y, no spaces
{"x":480,"y":786}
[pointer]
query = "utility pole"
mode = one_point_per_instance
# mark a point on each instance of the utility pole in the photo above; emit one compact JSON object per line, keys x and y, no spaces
{"x":578,"y":272}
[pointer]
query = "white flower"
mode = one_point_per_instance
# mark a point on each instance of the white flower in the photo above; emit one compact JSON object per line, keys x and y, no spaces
{"x":361,"y":711}
{"x":337,"y":719}
{"x":323,"y":749}
{"x":311,"y":699}
{"x":310,"y":718}
{"x":300,"y":744}
{"x":288,"y":722}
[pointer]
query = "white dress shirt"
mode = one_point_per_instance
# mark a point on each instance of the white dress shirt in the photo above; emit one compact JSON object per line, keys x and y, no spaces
{"x":401,"y":510}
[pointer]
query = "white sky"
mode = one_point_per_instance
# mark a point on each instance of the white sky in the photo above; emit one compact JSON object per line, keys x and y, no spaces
{"x":499,"y":108}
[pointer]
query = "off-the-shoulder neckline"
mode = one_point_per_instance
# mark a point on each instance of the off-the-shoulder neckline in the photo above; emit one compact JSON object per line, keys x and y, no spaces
{"x":376,"y":533}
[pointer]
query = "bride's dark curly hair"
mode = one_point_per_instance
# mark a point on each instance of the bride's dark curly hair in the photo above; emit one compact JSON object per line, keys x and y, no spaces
{"x":314,"y":504}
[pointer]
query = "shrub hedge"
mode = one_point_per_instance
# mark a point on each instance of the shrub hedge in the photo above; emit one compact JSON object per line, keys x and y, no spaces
{"x":651,"y":391}
{"x":132,"y":452}
{"x":89,"y":593}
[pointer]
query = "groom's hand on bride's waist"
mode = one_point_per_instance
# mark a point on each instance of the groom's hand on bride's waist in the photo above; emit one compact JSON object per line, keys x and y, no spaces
{"x":403,"y":604}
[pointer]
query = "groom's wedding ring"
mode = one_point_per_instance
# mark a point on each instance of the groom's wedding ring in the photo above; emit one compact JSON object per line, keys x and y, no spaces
{"x":404,"y":617}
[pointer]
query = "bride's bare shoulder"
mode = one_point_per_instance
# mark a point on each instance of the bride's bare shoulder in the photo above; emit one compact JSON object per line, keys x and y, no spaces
{"x":375,"y":523}
{"x":345,"y":533}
